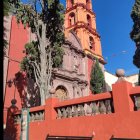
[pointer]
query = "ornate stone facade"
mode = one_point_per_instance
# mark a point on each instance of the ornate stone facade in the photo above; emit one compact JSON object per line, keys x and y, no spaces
{"x":72,"y":75}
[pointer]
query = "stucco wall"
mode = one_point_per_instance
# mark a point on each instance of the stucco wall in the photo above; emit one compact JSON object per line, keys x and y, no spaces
{"x":18,"y":38}
{"x":111,"y":79}
{"x":133,"y":79}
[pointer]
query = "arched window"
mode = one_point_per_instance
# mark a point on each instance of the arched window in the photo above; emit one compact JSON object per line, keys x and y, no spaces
{"x":71,"y":3}
{"x":91,"y":43}
{"x":71,"y":19}
{"x":88,"y":4}
{"x":89,"y":20}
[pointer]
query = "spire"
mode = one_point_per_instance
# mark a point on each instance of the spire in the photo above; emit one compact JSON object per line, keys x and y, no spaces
{"x":80,"y":18}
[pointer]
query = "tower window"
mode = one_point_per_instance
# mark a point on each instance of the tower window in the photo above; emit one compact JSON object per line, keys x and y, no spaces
{"x":89,"y":20}
{"x":71,"y":19}
{"x":91,"y":43}
{"x":71,"y":3}
{"x":88,"y":4}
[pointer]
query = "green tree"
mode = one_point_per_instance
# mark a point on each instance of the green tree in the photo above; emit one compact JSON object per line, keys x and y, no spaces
{"x":46,"y":19}
{"x":135,"y":15}
{"x":135,"y":33}
{"x":97,"y":78}
{"x":6,"y":7}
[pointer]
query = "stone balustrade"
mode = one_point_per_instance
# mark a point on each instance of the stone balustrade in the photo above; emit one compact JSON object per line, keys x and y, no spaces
{"x":135,"y":96}
{"x":17,"y":118}
{"x":136,"y":99}
{"x":85,"y":109}
{"x":34,"y":116}
{"x":37,"y":116}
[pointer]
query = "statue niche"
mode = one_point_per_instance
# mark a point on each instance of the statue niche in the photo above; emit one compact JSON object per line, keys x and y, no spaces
{"x":61,"y":93}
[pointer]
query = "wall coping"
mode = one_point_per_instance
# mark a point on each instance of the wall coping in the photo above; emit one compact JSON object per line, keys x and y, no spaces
{"x":89,"y":98}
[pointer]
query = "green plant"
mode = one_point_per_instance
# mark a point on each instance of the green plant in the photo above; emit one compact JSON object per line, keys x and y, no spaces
{"x":97,"y":78}
{"x":46,"y":22}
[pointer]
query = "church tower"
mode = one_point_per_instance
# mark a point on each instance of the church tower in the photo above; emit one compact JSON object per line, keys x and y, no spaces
{"x":80,"y":18}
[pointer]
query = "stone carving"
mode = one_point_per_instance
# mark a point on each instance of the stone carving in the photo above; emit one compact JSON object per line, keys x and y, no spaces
{"x":108,"y":106}
{"x":102,"y":107}
{"x":31,"y":117}
{"x":41,"y":115}
{"x":88,"y":110}
{"x":82,"y":111}
{"x":61,"y":93}
{"x":69,"y":112}
{"x":95,"y":109}
{"x":64,"y":113}
{"x":59,"y":114}
{"x":137,"y":102}
{"x":74,"y":111}
{"x":17,"y":118}
{"x":120,"y":73}
{"x":36,"y":116}
{"x":79,"y":111}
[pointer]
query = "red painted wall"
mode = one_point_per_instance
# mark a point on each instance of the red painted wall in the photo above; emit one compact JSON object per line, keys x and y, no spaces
{"x":18,"y":38}
{"x":123,"y":123}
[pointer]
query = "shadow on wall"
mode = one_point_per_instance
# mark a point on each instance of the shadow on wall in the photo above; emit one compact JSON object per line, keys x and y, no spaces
{"x":28,"y":90}
{"x":10,"y":133}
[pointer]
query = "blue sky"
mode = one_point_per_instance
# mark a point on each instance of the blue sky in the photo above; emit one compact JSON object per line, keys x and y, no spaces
{"x":114,"y":25}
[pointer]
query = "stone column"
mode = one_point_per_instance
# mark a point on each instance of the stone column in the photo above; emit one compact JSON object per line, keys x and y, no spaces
{"x":74,"y":89}
{"x":72,"y":60}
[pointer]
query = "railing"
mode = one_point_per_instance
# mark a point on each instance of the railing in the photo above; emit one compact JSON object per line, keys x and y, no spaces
{"x":17,"y":118}
{"x":135,"y":95}
{"x":35,"y":114}
{"x":90,"y":107}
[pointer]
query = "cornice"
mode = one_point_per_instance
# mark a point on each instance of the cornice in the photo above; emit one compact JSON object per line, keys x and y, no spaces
{"x":81,"y":24}
{"x":62,"y":76}
{"x":93,"y":57}
{"x":80,"y":5}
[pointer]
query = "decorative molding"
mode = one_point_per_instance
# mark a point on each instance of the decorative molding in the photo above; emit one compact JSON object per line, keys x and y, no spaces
{"x":85,"y":109}
{"x":80,"y":5}
{"x":85,"y":26}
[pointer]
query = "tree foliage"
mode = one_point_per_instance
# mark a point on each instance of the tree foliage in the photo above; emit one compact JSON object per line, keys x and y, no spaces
{"x":135,"y":15}
{"x":97,"y":78}
{"x":136,"y":57}
{"x":46,"y":19}
{"x":135,"y":33}
{"x":6,"y":7}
